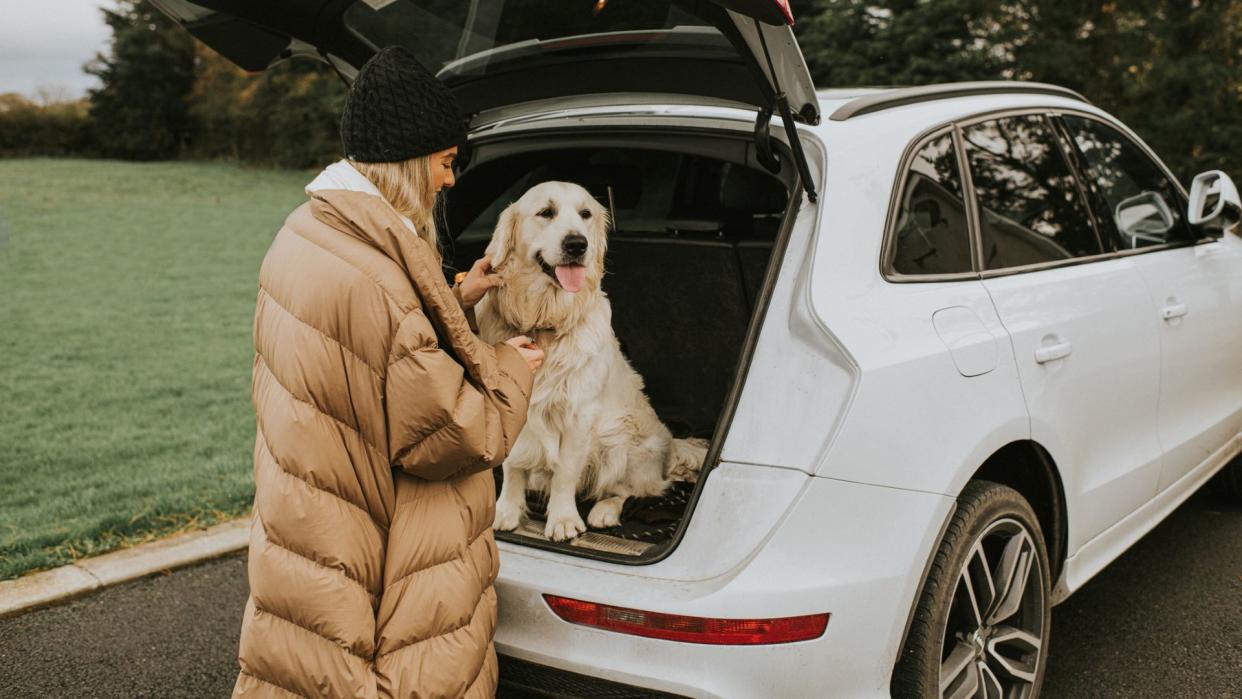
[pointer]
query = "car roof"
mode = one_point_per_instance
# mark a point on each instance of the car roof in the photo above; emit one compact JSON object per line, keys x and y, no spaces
{"x":844,"y":104}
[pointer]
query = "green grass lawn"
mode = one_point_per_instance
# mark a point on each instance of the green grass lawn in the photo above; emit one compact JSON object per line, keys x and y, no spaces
{"x":127,"y":292}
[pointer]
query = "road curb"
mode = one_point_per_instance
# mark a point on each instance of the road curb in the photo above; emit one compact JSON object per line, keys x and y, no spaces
{"x":89,"y":574}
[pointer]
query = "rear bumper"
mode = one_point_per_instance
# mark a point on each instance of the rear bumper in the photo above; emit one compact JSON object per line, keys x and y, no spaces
{"x":852,"y":550}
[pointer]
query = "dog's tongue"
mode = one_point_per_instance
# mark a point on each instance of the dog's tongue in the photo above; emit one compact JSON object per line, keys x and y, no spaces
{"x":571,"y":277}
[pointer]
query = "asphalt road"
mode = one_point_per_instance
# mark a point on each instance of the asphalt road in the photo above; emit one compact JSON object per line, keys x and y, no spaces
{"x":1163,"y":621}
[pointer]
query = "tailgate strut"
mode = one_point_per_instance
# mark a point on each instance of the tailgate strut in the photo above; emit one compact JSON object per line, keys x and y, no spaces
{"x":781,"y":104}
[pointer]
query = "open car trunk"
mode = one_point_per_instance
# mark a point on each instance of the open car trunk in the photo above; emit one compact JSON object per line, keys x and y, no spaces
{"x":696,"y":222}
{"x":698,"y":214}
{"x":495,"y":55}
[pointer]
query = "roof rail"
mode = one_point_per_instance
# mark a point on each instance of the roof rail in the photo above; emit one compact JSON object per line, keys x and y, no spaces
{"x":879,"y":101}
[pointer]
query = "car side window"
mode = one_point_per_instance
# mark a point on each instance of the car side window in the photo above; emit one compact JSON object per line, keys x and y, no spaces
{"x":931,"y":232}
{"x":1136,"y":204}
{"x":1030,"y":207}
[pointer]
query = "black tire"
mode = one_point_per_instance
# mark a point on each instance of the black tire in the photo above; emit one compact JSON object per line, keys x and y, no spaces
{"x":1227,"y":484}
{"x":986,"y":514}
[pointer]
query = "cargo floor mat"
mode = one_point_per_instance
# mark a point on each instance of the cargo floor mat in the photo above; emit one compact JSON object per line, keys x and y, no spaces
{"x":645,"y":522}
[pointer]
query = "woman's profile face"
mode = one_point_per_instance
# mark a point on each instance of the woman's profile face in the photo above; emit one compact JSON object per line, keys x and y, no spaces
{"x":442,"y":168}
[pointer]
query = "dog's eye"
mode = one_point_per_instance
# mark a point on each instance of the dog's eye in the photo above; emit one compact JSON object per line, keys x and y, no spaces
{"x":547,"y":212}
{"x":585,"y":214}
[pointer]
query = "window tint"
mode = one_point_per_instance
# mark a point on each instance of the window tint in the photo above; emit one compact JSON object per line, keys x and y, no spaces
{"x":440,"y":32}
{"x":931,"y":232}
{"x":1030,"y":207}
{"x":1136,"y":204}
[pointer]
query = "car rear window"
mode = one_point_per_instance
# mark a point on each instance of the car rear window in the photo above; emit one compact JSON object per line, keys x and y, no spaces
{"x":440,"y":32}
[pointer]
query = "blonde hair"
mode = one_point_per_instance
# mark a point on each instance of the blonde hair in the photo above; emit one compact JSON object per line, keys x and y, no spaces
{"x":409,"y":187}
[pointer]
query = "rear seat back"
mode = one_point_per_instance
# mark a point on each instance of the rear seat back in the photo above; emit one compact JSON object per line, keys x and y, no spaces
{"x":681,"y":299}
{"x":680,"y":312}
{"x":680,"y":309}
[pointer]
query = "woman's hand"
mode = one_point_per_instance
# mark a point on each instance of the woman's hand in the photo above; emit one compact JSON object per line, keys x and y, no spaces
{"x":528,"y":349}
{"x":479,"y":280}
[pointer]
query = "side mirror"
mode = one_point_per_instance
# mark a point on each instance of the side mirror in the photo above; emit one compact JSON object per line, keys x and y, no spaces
{"x":1214,"y":201}
{"x":1144,"y":217}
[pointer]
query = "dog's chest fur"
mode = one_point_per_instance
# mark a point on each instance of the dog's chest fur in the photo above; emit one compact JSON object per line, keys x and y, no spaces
{"x":576,"y":352}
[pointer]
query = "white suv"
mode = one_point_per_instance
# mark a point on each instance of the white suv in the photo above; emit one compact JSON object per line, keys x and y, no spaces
{"x":955,"y":347}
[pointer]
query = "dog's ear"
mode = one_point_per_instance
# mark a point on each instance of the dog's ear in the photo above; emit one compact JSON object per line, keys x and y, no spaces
{"x":602,"y":223}
{"x":504,"y":236}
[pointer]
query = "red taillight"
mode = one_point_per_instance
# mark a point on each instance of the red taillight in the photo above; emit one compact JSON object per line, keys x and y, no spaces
{"x":785,"y":10}
{"x":689,"y":629}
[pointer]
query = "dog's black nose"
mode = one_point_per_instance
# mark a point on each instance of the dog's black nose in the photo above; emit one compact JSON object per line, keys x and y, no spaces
{"x":574,"y":244}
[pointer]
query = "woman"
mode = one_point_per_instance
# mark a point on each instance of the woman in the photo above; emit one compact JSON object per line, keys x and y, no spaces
{"x":380,"y":416}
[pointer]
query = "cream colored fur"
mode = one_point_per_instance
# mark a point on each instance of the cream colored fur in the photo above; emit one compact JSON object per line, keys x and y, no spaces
{"x":590,"y":430}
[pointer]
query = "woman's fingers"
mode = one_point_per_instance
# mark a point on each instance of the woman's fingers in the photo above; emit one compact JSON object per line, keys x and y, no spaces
{"x":481,"y":266}
{"x":481,"y":278}
{"x":533,"y":356}
{"x":528,"y":349}
{"x":477,"y":282}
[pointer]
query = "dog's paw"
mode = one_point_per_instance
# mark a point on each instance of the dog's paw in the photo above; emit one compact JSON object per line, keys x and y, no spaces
{"x":507,"y":517}
{"x":564,"y":527}
{"x":606,"y":513}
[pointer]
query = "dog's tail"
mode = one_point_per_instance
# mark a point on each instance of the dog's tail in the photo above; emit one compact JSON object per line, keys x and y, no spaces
{"x":685,"y":458}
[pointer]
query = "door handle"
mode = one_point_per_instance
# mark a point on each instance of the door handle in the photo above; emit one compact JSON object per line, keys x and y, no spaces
{"x":1173,"y":310}
{"x":1049,"y":353}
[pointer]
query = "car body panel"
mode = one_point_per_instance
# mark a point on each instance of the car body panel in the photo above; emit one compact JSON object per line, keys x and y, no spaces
{"x":1093,"y":556}
{"x":1094,"y":411}
{"x":877,"y":330}
{"x":1201,"y":380}
{"x":867,"y":596}
{"x":798,"y":363}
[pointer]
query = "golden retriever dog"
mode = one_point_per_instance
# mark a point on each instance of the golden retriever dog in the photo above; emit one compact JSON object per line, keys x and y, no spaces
{"x":591,"y":430}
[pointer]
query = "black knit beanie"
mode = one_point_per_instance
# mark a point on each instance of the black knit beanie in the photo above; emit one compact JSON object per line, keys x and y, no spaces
{"x":397,"y":110}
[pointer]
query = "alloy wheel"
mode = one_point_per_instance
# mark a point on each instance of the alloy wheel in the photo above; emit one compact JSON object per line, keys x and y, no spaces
{"x":994,"y":637}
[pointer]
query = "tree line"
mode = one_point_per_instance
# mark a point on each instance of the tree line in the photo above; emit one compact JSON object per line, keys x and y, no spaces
{"x":165,"y":95}
{"x":1171,"y":69}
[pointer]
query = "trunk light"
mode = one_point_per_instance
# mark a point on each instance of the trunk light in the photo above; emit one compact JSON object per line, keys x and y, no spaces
{"x":689,"y":629}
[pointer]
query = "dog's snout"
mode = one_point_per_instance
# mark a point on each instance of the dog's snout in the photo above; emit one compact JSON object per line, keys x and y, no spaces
{"x":574,"y":244}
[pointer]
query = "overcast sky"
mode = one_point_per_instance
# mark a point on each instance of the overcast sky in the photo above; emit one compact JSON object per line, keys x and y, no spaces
{"x":43,"y":43}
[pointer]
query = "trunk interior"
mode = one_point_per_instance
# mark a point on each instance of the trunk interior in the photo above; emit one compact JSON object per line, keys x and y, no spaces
{"x":695,"y":222}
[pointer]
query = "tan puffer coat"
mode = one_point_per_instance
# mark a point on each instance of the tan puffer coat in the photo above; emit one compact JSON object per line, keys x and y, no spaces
{"x":380,"y":416}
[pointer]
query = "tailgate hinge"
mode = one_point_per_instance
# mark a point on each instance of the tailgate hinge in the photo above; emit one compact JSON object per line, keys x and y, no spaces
{"x":763,"y":142}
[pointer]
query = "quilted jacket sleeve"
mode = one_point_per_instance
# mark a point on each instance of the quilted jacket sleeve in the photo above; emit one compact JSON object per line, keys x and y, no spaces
{"x":441,"y":422}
